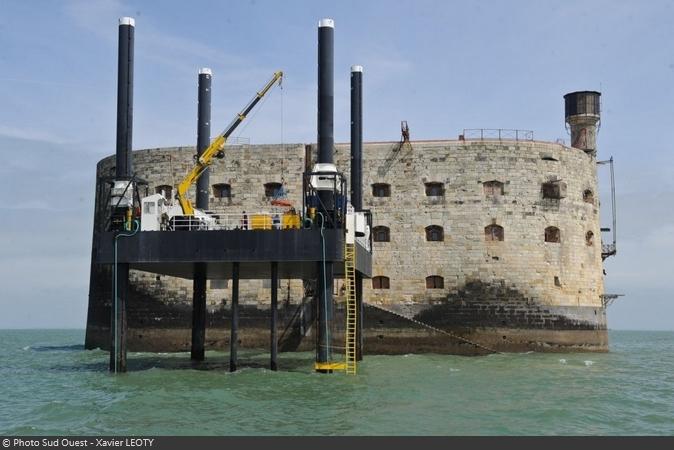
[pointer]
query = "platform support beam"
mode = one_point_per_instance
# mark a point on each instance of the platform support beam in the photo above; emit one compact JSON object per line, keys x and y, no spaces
{"x":118,"y":322}
{"x":325,"y":307}
{"x":198,"y":312}
{"x":234,"y":337}
{"x":274,"y":316}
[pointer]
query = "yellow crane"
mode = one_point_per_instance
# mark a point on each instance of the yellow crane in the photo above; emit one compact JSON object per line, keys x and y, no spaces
{"x":217,"y":146}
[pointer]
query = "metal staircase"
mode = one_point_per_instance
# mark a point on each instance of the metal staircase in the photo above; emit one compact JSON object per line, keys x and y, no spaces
{"x":351,"y":308}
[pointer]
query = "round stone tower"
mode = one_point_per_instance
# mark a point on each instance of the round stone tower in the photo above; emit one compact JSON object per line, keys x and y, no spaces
{"x":582,"y":114}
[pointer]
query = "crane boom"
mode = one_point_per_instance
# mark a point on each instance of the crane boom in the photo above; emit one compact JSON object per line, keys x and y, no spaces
{"x":217,"y":145}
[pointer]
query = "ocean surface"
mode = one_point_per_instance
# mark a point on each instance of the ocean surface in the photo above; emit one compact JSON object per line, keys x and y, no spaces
{"x":50,"y":385}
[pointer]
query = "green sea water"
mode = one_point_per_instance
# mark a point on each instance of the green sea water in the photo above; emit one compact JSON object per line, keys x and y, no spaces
{"x":50,"y":385}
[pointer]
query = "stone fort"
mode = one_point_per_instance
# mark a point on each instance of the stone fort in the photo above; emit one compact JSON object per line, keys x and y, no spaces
{"x":492,"y":238}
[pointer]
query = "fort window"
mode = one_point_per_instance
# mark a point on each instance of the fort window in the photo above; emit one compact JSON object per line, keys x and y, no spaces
{"x":381,"y":283}
{"x":273,"y":189}
{"x":552,"y":234}
{"x":434,"y":233}
{"x":493,"y":188}
{"x":222,"y":190}
{"x":554,"y":189}
{"x":381,"y":234}
{"x":165,"y":190}
{"x":589,"y":238}
{"x":493,"y":232}
{"x":381,"y":190}
{"x":435,"y":189}
{"x":588,"y":196}
{"x":435,"y":282}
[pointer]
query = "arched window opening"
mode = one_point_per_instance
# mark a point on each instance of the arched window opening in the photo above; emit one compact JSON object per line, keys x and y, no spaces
{"x":381,"y":282}
{"x":222,"y":190}
{"x":165,"y":190}
{"x":493,"y":232}
{"x":588,"y":196}
{"x":381,"y":234}
{"x":589,"y":238}
{"x":381,"y":190}
{"x":435,"y":189}
{"x":435,"y":282}
{"x":272,"y":190}
{"x":434,"y":233}
{"x":552,"y":234}
{"x":493,"y":189}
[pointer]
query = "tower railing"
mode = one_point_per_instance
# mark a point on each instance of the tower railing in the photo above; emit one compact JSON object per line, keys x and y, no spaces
{"x":496,"y":134}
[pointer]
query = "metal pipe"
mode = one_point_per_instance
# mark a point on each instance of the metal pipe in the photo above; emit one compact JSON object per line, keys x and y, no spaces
{"x":234,"y":336}
{"x":118,"y":322}
{"x":274,"y":316}
{"x":357,"y":137}
{"x":204,"y":133}
{"x":199,"y":292}
{"x":197,"y":352}
{"x":124,"y":163}
{"x":359,"y":318}
{"x":326,"y":141}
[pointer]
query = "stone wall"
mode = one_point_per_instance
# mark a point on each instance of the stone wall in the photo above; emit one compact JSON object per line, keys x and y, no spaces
{"x":523,"y":265}
{"x":520,"y":283}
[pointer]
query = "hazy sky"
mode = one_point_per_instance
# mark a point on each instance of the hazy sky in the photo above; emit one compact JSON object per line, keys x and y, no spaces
{"x":443,"y":66}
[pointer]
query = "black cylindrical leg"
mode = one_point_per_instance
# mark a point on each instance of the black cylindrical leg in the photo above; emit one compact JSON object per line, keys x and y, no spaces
{"x":234,"y":338}
{"x":198,"y":312}
{"x":274,"y":315}
{"x":357,"y":137}
{"x":203,"y":133}
{"x":124,"y":98}
{"x":325,"y":306}
{"x":118,"y":320}
{"x":326,"y":140}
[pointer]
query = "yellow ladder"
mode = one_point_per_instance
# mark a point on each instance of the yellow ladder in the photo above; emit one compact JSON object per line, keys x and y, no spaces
{"x":351,"y":308}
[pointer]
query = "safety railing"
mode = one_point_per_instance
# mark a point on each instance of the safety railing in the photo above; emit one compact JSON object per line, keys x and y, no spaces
{"x":608,"y":250}
{"x":264,"y":220}
{"x":496,"y":134}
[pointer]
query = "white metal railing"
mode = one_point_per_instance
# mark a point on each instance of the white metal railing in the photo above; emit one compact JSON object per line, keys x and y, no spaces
{"x":258,"y":220}
{"x":497,"y":134}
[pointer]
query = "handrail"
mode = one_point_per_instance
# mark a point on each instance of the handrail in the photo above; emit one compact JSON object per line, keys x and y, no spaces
{"x":498,"y":134}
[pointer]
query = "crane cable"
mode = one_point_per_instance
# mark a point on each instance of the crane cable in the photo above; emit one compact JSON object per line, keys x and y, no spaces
{"x":283,"y":146}
{"x":252,"y":116}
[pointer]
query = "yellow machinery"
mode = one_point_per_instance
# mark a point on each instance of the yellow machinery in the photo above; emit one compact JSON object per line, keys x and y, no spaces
{"x":216,"y":147}
{"x":290,"y":220}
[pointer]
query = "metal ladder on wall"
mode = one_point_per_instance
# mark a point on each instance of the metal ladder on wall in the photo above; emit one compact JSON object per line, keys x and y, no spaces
{"x":351,"y":308}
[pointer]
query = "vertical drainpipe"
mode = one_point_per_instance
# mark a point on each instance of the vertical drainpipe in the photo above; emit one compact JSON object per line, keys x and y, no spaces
{"x":357,"y":183}
{"x":200,"y":276}
{"x":326,"y":36}
{"x":123,"y":170}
